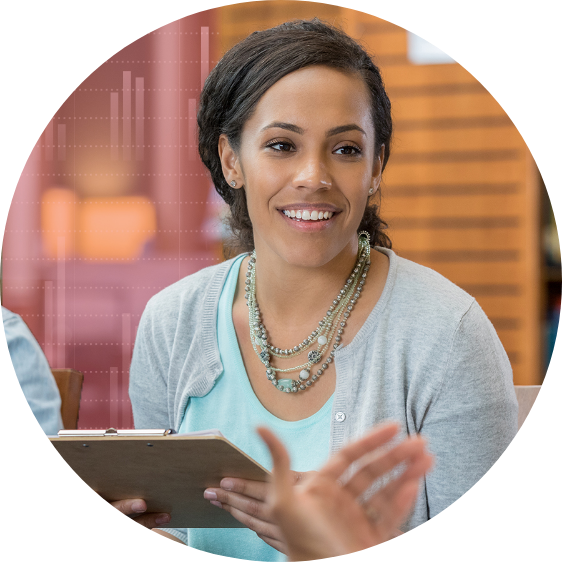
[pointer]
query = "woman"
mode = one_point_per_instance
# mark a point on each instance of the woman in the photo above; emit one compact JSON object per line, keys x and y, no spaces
{"x":295,"y":128}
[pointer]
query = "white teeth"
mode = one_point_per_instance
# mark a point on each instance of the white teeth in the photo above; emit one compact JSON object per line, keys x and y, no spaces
{"x":309,"y":215}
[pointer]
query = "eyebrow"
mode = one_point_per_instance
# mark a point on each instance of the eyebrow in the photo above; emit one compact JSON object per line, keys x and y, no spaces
{"x":300,"y":131}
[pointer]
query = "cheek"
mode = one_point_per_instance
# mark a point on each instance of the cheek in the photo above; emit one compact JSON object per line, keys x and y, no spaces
{"x":262,"y":184}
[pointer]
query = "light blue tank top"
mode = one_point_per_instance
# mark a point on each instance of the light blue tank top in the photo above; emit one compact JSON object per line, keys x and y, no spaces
{"x":234,"y":409}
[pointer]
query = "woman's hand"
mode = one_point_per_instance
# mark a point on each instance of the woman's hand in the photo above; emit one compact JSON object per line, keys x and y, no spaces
{"x":246,"y":500}
{"x":324,"y":517}
{"x":136,"y":508}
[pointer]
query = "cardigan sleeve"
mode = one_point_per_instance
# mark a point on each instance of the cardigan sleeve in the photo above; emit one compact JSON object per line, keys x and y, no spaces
{"x":148,"y":382}
{"x":148,"y":386}
{"x":473,"y":417}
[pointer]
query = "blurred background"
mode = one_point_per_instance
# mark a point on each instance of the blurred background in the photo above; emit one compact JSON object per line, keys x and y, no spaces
{"x":114,"y":204}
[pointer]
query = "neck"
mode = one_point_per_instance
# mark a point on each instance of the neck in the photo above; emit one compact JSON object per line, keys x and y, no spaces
{"x":295,"y":296}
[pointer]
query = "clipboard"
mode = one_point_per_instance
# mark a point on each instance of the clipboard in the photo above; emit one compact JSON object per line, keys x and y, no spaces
{"x":169,"y":471}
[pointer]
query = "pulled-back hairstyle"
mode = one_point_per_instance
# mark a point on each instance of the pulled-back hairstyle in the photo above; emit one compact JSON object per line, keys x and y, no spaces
{"x":243,"y":75}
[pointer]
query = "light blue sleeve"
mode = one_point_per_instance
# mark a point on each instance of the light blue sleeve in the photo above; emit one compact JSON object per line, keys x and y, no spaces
{"x":33,"y":372}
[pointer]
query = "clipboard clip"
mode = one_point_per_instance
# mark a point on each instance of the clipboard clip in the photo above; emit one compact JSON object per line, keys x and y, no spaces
{"x":112,"y":432}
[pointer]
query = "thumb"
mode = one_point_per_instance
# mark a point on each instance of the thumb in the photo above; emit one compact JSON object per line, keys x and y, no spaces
{"x":282,"y":475}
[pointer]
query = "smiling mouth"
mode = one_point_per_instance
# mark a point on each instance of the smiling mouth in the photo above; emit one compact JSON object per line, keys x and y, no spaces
{"x":305,"y":215}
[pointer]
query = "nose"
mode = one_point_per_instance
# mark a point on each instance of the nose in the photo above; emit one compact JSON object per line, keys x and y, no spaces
{"x":312,"y":173}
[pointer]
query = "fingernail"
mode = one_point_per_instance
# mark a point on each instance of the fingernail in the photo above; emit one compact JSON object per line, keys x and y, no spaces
{"x":209,"y":495}
{"x":227,"y":484}
{"x":218,"y":504}
{"x":138,"y":507}
{"x":162,"y":519}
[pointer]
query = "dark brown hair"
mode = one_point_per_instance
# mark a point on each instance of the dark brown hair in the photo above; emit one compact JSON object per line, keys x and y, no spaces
{"x":242,"y":77}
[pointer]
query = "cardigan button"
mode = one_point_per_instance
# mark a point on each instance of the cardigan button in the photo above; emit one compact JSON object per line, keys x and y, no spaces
{"x":340,"y":416}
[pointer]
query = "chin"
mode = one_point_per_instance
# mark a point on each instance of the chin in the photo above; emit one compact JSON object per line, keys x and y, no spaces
{"x":308,"y":255}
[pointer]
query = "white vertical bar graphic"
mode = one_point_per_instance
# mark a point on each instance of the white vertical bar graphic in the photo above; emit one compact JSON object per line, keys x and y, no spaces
{"x":114,"y":125}
{"x":61,"y":142}
{"x":204,"y":55}
{"x":139,"y":118}
{"x":166,"y":131}
{"x":49,"y":141}
{"x":192,"y":130}
{"x":49,"y":322}
{"x":126,"y":115}
{"x":113,"y":397}
{"x":61,"y":308}
{"x":126,"y":348}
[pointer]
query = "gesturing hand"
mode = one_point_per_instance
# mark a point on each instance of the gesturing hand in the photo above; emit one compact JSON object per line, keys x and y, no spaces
{"x":246,"y":500}
{"x":324,"y":517}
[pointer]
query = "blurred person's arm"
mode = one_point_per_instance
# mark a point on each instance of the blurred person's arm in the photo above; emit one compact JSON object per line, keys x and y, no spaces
{"x":33,"y":372}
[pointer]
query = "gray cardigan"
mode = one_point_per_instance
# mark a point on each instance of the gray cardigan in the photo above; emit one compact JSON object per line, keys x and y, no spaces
{"x":427,"y":357}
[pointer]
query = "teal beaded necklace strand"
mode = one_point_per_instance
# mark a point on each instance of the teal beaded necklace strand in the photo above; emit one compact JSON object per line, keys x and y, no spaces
{"x":332,"y":324}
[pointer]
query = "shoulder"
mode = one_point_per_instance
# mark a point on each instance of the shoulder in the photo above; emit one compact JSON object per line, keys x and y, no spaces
{"x":15,"y":327}
{"x":187,"y":301}
{"x":423,"y":294}
{"x":10,"y":319}
{"x":427,"y":286}
{"x":189,"y":286}
{"x":26,"y":354}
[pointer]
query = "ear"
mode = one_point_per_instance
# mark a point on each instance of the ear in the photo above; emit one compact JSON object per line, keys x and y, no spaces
{"x":377,"y":170}
{"x":230,"y":163}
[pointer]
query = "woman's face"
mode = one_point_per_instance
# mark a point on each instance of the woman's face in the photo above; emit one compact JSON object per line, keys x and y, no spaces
{"x":307,"y":150}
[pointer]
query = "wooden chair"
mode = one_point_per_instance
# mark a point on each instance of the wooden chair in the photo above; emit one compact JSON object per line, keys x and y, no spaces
{"x":69,"y":382}
{"x":526,"y":396}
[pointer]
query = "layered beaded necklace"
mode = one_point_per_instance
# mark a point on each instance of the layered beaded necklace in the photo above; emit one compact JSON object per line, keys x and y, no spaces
{"x":331,"y":327}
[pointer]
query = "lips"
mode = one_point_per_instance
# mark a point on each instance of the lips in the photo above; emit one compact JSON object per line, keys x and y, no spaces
{"x":307,"y":211}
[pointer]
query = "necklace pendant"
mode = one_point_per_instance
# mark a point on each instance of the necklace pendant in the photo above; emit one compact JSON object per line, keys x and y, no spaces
{"x":285,"y":385}
{"x":314,"y":356}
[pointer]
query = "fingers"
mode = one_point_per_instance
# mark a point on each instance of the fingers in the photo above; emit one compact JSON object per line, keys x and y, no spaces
{"x":340,"y":462}
{"x":252,"y":508}
{"x":130,"y":507}
{"x":137,"y":507}
{"x":250,"y":496}
{"x":250,"y":488}
{"x":419,"y":466}
{"x":259,"y":526}
{"x":374,"y":469}
{"x":393,"y":509}
{"x":250,"y":502}
{"x":395,"y":501}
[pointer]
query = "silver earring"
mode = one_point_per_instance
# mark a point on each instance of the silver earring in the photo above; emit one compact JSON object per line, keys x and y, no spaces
{"x":233,"y":183}
{"x":371,"y":191}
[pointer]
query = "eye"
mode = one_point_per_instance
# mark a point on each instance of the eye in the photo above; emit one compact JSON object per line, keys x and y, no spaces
{"x":348,"y":150}
{"x":279,"y":145}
